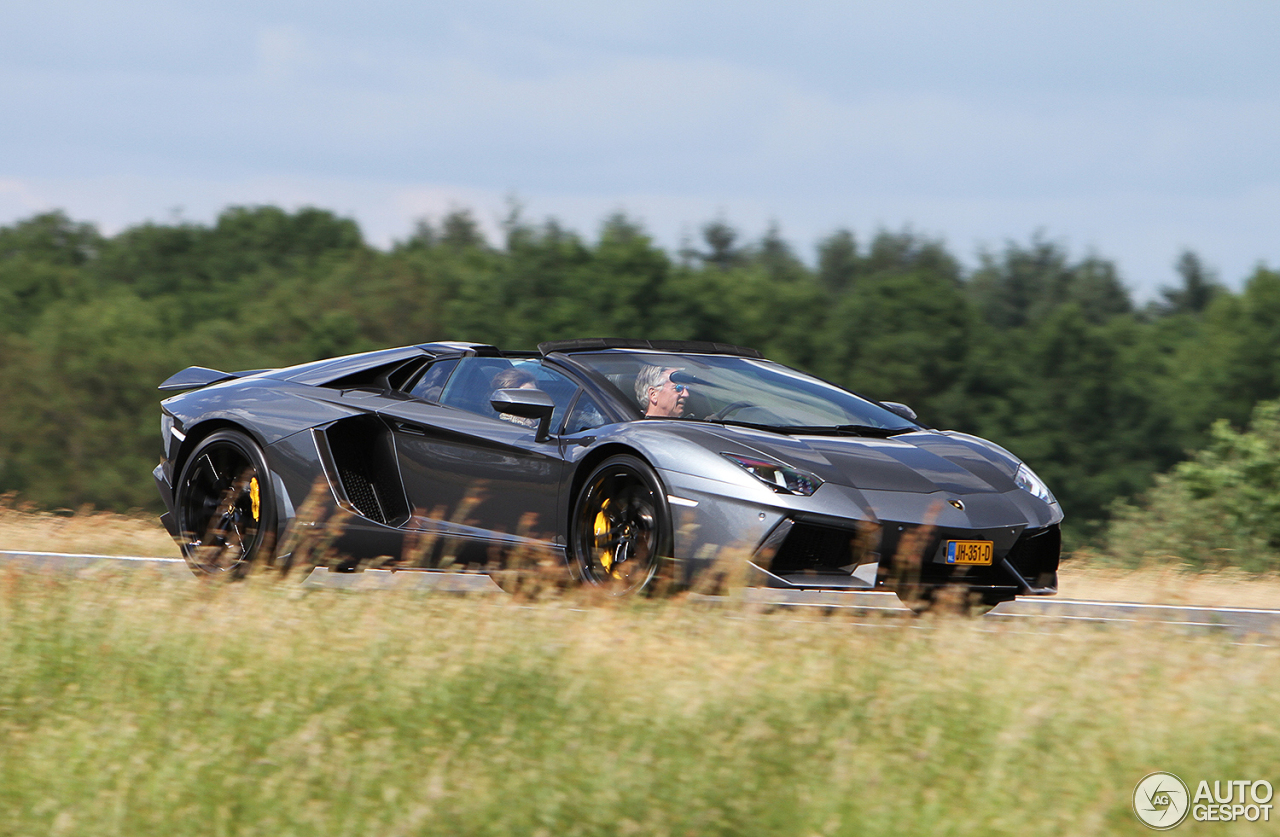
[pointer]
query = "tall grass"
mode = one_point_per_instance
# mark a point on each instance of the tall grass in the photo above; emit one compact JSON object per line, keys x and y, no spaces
{"x":139,"y":705}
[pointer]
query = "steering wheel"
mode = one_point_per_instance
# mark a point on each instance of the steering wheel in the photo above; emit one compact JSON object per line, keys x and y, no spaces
{"x":728,"y":410}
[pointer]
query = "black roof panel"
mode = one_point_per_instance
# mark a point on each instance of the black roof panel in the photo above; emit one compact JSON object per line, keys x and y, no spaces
{"x":689,"y":346}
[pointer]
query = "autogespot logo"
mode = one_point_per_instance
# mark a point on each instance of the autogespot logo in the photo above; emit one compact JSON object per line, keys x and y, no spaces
{"x":1161,"y":800}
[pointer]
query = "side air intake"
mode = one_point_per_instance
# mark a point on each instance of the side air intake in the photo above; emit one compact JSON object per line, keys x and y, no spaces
{"x":365,"y":461}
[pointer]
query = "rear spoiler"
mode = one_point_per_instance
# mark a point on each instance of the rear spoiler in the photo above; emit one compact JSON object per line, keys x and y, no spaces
{"x":195,"y":377}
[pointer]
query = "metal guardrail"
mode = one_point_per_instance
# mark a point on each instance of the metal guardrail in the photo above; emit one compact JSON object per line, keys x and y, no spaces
{"x":75,"y":562}
{"x":1238,"y":620}
{"x":447,"y":582}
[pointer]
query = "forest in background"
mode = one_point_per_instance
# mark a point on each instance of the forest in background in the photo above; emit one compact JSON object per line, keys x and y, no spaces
{"x":1042,"y":352}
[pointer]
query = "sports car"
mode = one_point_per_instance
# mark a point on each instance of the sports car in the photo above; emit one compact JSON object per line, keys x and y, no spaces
{"x":624,"y":463}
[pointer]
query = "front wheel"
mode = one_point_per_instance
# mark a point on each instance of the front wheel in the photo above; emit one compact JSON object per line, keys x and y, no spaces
{"x":621,"y":526}
{"x":226,"y":505}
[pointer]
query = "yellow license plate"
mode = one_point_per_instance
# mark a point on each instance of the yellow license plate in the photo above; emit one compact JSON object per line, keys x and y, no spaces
{"x":970,"y":552}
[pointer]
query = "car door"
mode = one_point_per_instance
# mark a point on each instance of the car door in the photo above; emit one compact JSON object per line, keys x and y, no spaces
{"x":479,"y":482}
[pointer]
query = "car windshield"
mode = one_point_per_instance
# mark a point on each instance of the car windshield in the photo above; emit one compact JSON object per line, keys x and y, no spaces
{"x":739,"y":390}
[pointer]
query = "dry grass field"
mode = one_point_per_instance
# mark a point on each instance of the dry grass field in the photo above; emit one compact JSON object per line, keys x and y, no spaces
{"x":142,"y":704}
{"x":23,"y":528}
{"x":136,"y":703}
{"x":1168,"y":585}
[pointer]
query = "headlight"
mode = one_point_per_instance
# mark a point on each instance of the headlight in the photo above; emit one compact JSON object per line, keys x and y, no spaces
{"x":1033,"y":485}
{"x":781,"y":478}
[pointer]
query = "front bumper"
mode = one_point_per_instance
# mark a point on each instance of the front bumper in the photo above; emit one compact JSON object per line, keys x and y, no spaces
{"x":842,"y":538}
{"x":810,"y":552}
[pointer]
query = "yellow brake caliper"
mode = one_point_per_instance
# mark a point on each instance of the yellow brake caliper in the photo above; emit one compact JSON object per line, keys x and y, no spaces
{"x":602,"y":530}
{"x":255,"y":498}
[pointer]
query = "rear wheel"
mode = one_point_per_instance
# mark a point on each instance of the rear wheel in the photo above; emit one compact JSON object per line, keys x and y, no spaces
{"x":226,"y":505}
{"x":621,"y":530}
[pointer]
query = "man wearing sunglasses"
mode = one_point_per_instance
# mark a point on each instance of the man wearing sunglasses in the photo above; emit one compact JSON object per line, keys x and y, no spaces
{"x":659,"y":396}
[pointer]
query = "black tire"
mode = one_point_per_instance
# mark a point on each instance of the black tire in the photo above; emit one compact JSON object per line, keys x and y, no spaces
{"x":620,"y":532}
{"x":225,"y":505}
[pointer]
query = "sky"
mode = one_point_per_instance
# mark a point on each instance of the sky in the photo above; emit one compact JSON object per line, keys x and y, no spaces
{"x":1129,"y":130}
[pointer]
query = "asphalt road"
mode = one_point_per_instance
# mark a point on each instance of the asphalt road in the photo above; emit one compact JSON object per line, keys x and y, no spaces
{"x":1237,"y":620}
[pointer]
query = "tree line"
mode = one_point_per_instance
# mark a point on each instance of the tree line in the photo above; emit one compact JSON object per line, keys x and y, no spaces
{"x":1045,"y":353}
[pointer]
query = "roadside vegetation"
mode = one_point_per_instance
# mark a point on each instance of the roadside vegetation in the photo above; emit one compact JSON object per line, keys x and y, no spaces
{"x":1219,"y":509}
{"x":145,"y":705}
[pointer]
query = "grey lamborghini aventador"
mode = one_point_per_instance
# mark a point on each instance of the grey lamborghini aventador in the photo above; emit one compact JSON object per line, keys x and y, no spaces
{"x":623,"y":461}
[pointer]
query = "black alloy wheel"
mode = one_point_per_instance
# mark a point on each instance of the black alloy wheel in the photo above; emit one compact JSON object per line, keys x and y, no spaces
{"x":621,"y":532}
{"x":225,"y":505}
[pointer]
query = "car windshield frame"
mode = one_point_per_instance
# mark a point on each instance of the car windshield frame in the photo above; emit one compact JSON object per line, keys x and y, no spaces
{"x":741,"y":391}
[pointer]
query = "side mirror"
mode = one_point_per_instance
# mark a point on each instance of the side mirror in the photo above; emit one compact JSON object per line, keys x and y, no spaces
{"x":526,"y":403}
{"x":899,"y":409}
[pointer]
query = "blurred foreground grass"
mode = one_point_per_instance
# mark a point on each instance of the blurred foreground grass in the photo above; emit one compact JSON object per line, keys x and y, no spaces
{"x":1090,"y":577}
{"x":135,"y":704}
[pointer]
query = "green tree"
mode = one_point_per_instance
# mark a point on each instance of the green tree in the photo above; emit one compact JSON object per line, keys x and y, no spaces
{"x":42,"y":260}
{"x":458,"y":230}
{"x":722,"y":248}
{"x":79,"y":412}
{"x":838,"y":261}
{"x":1199,"y":287}
{"x":778,"y":260}
{"x":1229,"y":359}
{"x":901,"y":336}
{"x":1219,"y":509}
{"x":1023,"y":285}
{"x":195,"y":262}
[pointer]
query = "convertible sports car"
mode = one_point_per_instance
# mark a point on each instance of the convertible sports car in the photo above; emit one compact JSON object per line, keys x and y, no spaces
{"x":624,"y":461}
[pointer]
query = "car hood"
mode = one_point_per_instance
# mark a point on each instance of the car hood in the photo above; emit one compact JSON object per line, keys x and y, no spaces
{"x":924,"y":461}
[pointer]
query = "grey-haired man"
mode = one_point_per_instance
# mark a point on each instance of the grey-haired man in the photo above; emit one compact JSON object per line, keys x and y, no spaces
{"x":659,"y":396}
